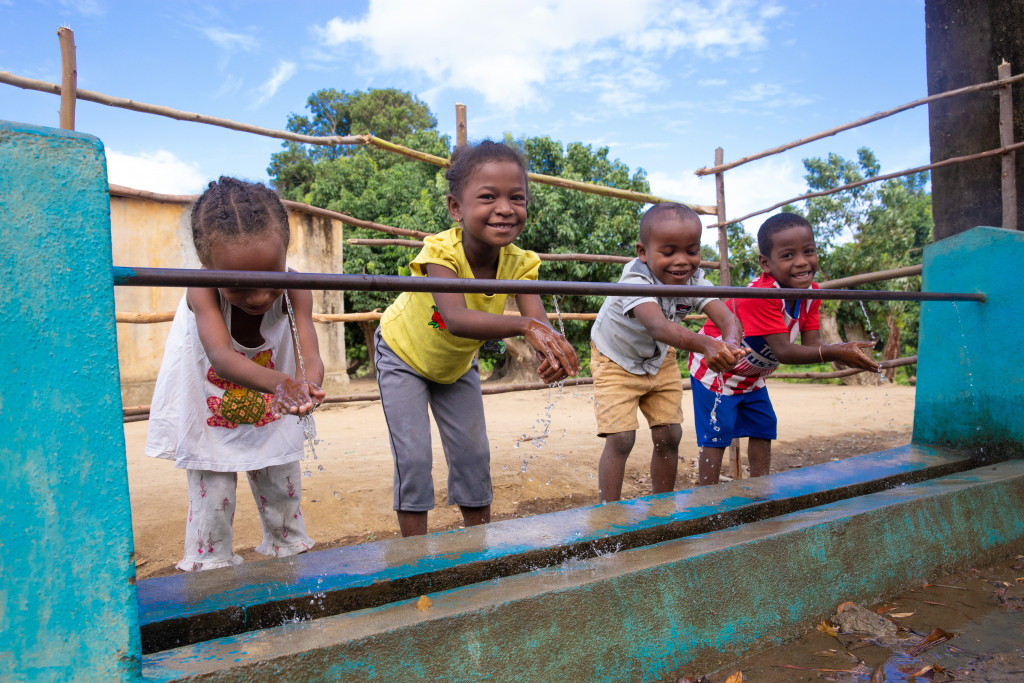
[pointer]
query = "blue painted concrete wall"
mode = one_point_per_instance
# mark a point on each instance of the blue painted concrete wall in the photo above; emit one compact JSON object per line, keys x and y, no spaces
{"x":67,"y":599}
{"x":970,"y":380}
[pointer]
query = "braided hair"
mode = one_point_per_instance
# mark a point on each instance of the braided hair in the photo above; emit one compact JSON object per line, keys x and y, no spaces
{"x":232,"y":209}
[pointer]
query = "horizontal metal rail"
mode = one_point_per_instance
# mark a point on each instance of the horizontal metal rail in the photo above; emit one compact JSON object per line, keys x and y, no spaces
{"x":181,"y":277}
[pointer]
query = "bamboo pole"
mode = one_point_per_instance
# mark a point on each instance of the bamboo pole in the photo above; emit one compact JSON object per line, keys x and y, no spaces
{"x":461,"y":132}
{"x":68,"y":77}
{"x":879,"y":178}
{"x":908,"y":360}
{"x":723,"y":277}
{"x":159,"y":110}
{"x":717,"y":168}
{"x":128,"y":317}
{"x":1009,"y":160}
{"x":876,"y":276}
{"x":584,"y":258}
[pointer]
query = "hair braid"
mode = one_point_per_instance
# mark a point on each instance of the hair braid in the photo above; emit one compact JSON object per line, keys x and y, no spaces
{"x":232,"y":209}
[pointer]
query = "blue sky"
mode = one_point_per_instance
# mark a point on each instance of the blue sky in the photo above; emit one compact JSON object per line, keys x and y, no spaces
{"x":661,"y":83}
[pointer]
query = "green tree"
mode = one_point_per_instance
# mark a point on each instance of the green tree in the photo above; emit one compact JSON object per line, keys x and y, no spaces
{"x":889,"y":224}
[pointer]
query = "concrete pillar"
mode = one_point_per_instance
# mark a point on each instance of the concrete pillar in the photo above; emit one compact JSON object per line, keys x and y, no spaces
{"x":67,"y":599}
{"x":969,"y":386}
{"x":966,"y":41}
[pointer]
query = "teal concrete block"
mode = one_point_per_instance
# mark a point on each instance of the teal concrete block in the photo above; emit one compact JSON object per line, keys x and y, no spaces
{"x":680,"y":607}
{"x":67,"y":600}
{"x":969,"y":378}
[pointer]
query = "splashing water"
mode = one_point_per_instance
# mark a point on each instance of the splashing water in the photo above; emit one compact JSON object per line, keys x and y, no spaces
{"x":719,"y":387}
{"x":308,"y":426}
{"x":871,"y":333}
{"x":558,"y":314}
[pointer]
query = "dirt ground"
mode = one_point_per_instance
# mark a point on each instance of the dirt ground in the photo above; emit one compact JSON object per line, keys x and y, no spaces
{"x":347,"y":497}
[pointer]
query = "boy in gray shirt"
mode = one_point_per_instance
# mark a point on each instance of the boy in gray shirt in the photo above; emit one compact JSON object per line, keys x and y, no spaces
{"x":633,"y":346}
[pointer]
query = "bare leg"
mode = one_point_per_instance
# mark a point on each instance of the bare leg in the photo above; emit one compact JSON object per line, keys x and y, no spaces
{"x":412,"y":523}
{"x":665,"y":458}
{"x":612,"y":467}
{"x":759,"y":454}
{"x":709,"y":465}
{"x":475,"y":516}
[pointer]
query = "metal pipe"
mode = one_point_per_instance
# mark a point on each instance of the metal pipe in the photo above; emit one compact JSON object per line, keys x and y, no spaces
{"x":181,"y":277}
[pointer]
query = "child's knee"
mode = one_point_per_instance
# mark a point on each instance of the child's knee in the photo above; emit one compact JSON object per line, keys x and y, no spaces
{"x":620,"y":443}
{"x":666,"y":438}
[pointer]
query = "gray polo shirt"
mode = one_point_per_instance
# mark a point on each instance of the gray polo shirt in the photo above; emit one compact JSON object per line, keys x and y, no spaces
{"x":619,"y":335}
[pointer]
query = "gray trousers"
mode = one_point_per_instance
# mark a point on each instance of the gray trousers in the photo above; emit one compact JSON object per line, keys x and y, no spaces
{"x":458,"y":410}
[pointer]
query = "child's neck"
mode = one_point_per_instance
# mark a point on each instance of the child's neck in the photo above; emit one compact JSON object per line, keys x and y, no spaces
{"x":482,"y":258}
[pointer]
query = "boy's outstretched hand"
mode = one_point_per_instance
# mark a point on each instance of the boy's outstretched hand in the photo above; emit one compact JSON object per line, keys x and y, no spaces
{"x":722,"y":356}
{"x":558,"y":356}
{"x":850,"y":353}
{"x":293,"y":397}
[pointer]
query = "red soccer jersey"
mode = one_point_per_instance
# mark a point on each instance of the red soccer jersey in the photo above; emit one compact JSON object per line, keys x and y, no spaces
{"x":759,"y":317}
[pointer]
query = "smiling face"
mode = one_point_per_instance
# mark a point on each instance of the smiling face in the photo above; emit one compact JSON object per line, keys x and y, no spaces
{"x":491,"y":205}
{"x":672,"y":251}
{"x":793,"y":260}
{"x":264,"y":252}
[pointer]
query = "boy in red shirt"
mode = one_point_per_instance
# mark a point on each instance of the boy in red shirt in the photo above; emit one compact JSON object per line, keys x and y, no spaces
{"x":735,"y":404}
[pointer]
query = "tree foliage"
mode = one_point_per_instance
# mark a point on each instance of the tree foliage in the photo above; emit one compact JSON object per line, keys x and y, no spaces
{"x":385,"y":188}
{"x":885,"y":224}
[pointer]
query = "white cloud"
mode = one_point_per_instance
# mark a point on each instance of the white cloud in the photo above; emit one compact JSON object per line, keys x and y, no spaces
{"x":158,"y":171}
{"x":507,"y":51}
{"x":748,"y":188}
{"x":278,"y":77}
{"x":230,"y":41}
{"x":231,"y":85}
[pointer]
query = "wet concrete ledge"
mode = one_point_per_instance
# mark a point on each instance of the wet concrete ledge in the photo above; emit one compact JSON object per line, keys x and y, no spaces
{"x":192,"y":608}
{"x":653,"y":613}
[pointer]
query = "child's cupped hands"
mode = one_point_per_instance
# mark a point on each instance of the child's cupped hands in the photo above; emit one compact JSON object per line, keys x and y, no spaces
{"x":722,"y":356}
{"x":558,"y":357}
{"x":851,"y":354}
{"x":295,"y":397}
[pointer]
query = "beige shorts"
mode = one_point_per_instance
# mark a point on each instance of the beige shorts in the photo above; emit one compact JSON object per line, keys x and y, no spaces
{"x":618,"y":393}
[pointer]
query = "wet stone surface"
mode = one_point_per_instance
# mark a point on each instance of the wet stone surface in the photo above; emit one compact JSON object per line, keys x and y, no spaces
{"x":965,"y":627}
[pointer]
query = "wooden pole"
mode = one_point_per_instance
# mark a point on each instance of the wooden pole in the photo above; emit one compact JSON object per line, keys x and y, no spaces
{"x":723,"y":277}
{"x":69,"y":77}
{"x":461,"y":135}
{"x":1009,"y":165}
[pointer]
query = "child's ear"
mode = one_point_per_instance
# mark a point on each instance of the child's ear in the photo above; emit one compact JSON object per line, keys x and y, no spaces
{"x":641,"y":251}
{"x":762,"y":260}
{"x":454,"y":208}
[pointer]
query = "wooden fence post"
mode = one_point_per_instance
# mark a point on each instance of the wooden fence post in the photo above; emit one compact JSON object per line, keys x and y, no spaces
{"x":723,"y":274}
{"x":1009,"y":169}
{"x":69,"y":77}
{"x":461,"y":134}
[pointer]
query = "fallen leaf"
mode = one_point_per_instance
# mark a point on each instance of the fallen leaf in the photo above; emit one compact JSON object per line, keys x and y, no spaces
{"x":900,"y":615}
{"x":910,"y":672}
{"x":824,"y":627}
{"x":423,"y":604}
{"x":735,"y":678}
{"x":804,"y":668}
{"x":883,"y":609}
{"x":878,"y":674}
{"x":826,"y":653}
{"x":931,"y":640}
{"x":940,"y":604}
{"x":844,"y":606}
{"x":1019,"y":579}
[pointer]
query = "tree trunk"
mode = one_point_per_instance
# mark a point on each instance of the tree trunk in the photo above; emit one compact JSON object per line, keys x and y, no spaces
{"x":520,"y":362}
{"x":829,"y":333}
{"x":367,"y":327}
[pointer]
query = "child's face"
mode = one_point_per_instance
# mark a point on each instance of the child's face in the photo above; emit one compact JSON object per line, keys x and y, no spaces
{"x":492,"y":205}
{"x":794,"y":258}
{"x":266,"y":252}
{"x":672,"y":251}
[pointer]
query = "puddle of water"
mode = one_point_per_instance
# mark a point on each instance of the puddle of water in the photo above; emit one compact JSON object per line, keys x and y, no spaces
{"x":982,"y":608}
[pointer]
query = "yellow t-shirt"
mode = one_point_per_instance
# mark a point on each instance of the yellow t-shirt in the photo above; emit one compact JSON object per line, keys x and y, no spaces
{"x":414,"y":330}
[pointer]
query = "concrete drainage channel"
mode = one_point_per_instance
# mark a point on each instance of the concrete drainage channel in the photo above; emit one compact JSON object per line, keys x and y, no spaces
{"x":692,"y":578}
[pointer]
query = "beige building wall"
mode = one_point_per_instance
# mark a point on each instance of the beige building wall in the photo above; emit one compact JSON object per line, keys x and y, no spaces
{"x":156,"y":234}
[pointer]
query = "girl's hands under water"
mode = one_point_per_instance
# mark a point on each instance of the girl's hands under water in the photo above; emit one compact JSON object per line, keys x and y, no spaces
{"x":558,"y":357}
{"x":293,"y":397}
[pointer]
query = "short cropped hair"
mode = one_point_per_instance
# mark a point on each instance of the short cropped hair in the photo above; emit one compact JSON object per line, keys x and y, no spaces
{"x":681,"y":211}
{"x":773,"y":226}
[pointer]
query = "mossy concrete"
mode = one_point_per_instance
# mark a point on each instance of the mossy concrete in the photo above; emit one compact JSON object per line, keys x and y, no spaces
{"x":648,"y":614}
{"x":190,"y":608}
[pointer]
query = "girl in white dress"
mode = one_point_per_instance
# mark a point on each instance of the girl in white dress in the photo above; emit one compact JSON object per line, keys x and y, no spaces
{"x":230,"y":388}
